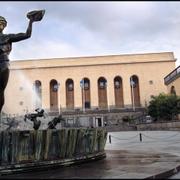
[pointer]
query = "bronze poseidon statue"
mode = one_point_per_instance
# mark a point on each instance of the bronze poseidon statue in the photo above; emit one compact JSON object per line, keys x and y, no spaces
{"x":6,"y":41}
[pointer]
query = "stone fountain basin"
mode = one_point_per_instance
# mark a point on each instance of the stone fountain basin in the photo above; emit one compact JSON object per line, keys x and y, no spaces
{"x":36,"y":149}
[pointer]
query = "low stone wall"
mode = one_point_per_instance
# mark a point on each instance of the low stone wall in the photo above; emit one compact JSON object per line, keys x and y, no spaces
{"x":20,"y":150}
{"x":160,"y":126}
{"x":120,"y":127}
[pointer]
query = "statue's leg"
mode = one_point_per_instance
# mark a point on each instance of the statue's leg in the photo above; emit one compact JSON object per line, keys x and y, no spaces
{"x":4,"y":76}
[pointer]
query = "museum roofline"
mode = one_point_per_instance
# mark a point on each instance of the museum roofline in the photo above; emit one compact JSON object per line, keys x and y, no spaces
{"x":79,"y":57}
{"x":94,"y":60}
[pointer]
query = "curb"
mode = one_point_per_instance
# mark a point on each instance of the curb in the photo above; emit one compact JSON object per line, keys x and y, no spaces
{"x":165,"y":174}
{"x":41,"y":166}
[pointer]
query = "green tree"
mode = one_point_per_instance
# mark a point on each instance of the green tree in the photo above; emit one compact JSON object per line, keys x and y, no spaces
{"x":164,"y":107}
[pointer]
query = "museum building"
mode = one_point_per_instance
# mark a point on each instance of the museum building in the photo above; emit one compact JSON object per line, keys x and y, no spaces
{"x":87,"y":83}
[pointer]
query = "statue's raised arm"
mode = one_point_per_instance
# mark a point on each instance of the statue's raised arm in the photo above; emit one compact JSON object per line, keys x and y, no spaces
{"x":32,"y":16}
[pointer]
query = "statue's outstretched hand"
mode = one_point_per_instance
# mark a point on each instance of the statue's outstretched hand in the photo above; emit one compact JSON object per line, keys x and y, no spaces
{"x":36,"y":15}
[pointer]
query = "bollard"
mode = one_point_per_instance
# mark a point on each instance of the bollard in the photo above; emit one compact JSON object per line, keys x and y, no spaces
{"x":140,"y":137}
{"x":110,"y":139}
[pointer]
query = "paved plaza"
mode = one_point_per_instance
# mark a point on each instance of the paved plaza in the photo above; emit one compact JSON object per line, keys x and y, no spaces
{"x":152,"y":141}
{"x":130,"y":154}
{"x":158,"y":150}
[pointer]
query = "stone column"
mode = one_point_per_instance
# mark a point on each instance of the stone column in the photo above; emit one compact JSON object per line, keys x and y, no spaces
{"x":62,"y":94}
{"x":94,"y":92}
{"x":110,"y":91}
{"x":77,"y":94}
{"x":127,"y":91}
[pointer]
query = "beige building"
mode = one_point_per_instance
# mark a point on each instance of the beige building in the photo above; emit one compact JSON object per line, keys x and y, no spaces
{"x":109,"y":82}
{"x":172,"y":80}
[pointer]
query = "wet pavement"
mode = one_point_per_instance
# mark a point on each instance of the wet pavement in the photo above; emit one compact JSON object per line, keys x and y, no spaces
{"x":176,"y":176}
{"x":129,"y":155}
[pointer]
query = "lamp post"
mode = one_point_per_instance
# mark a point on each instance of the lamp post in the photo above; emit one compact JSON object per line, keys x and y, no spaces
{"x":56,"y":86}
{"x":83,"y":95}
{"x":132,"y":83}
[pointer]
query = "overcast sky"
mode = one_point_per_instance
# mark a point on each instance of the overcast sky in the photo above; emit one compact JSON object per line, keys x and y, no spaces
{"x":76,"y":28}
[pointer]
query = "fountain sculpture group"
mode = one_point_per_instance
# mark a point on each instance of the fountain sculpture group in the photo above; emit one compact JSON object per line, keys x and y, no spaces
{"x":22,"y":150}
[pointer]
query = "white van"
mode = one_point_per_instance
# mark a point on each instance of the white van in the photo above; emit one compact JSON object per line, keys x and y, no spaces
{"x":148,"y":119}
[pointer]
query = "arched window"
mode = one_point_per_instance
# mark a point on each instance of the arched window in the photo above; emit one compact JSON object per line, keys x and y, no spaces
{"x":86,"y":102}
{"x":69,"y":94}
{"x":102,"y":92}
{"x":135,"y":94}
{"x":118,"y":91}
{"x":54,"y":95}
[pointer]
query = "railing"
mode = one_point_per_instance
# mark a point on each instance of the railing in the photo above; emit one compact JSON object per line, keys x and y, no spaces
{"x":172,"y":76}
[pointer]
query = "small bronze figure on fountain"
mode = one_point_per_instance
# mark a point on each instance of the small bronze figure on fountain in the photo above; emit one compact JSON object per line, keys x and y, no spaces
{"x":40,"y":113}
{"x":52,"y":124}
{"x":6,"y":41}
{"x":33,"y":117}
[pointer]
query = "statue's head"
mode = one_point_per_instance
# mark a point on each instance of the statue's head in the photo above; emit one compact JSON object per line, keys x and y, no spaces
{"x":3,"y":22}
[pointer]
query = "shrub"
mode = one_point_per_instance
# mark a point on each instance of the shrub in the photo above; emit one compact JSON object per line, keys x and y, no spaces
{"x":164,"y":107}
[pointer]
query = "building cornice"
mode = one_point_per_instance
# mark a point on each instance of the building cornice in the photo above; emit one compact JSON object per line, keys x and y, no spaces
{"x":94,"y":61}
{"x":87,"y":65}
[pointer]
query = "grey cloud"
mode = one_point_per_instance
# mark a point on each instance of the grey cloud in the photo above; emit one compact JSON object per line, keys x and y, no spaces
{"x":97,"y":26}
{"x":107,"y":21}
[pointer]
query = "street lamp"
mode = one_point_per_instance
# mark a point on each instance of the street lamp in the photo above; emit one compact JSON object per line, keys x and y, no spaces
{"x":83,"y":94}
{"x":56,"y":87}
{"x":132,"y":83}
